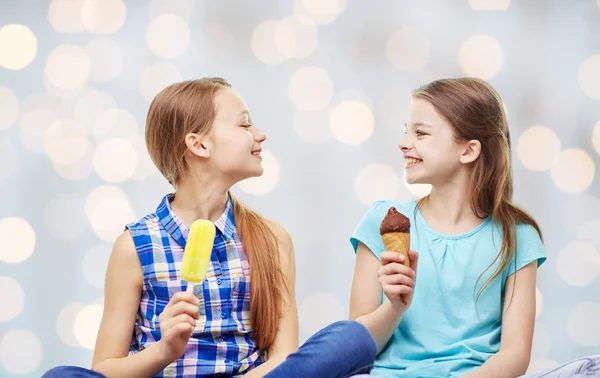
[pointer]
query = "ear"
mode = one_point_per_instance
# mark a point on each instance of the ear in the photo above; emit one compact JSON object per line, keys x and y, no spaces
{"x":471,"y":151}
{"x":197,"y":145}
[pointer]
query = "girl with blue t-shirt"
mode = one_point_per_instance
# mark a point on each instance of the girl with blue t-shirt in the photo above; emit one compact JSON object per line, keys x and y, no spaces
{"x":471,"y":311}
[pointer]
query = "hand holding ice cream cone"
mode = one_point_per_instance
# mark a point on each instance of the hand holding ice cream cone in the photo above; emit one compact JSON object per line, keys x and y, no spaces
{"x":397,"y":275}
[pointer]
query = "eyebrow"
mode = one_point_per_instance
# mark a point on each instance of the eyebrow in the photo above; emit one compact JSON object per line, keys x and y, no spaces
{"x":423,"y":124}
{"x":245,"y":112}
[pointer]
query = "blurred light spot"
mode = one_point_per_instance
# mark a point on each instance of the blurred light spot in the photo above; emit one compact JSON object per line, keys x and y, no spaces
{"x":95,"y":262}
{"x":66,"y":142}
{"x":40,"y":100}
{"x":18,"y":240}
{"x":481,"y":56}
{"x":9,"y":108}
{"x":408,"y":49}
{"x":78,"y":170}
{"x":310,"y":88}
{"x":180,"y":8}
{"x":264,"y":45}
{"x":583,"y":326}
{"x":267,"y":181}
{"x":33,"y":128}
{"x":596,"y":137}
{"x":115,"y":160}
{"x":578,"y":263}
{"x":109,"y":210}
{"x":489,"y":5}
{"x":20,"y":351}
{"x":376,"y":182}
{"x":63,"y":216}
{"x":320,"y":11}
{"x":64,"y":324}
{"x":67,"y":67}
{"x":86,"y":325}
{"x":573,"y":171}
{"x":296,"y":37}
{"x":9,"y":158}
{"x":115,"y":123}
{"x":352,"y":122}
{"x":106,"y":59}
{"x":285,"y":39}
{"x":157,"y":77}
{"x":538,"y":148}
{"x":589,"y":76}
{"x":65,"y":16}
{"x":90,"y":106}
{"x":539,"y":303}
{"x":168,"y":36}
{"x":312,"y":127}
{"x":18,"y":46}
{"x":103,"y":17}
{"x":12,"y":298}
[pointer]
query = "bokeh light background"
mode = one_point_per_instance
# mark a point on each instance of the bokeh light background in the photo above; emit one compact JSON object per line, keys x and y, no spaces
{"x":329,"y":82}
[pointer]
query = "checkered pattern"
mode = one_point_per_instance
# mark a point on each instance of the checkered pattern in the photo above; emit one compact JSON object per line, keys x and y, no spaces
{"x":222,"y":341}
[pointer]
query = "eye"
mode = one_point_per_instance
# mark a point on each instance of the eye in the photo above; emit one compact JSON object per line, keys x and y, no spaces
{"x":247,"y":126}
{"x":420,"y":133}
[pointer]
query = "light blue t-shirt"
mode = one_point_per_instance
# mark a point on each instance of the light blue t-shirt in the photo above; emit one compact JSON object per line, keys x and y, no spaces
{"x":442,"y":334}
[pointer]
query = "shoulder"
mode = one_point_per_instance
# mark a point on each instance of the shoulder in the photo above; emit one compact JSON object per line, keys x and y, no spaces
{"x":527,"y":233}
{"x":281,"y":234}
{"x":143,"y":222}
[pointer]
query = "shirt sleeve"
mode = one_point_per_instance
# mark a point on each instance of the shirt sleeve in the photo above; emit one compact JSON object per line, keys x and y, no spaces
{"x":367,"y":230}
{"x":529,"y":248}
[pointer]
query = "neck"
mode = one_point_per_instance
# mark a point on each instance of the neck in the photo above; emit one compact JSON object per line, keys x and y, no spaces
{"x":199,"y":199}
{"x":448,"y":209}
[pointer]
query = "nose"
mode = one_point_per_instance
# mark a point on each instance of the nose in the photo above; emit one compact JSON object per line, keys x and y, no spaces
{"x":259,"y":136}
{"x":405,"y":143}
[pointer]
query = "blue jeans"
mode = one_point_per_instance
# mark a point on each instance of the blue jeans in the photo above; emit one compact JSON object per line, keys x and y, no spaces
{"x":340,"y":350}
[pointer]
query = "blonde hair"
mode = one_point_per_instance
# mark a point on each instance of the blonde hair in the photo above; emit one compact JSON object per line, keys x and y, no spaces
{"x":188,"y":107}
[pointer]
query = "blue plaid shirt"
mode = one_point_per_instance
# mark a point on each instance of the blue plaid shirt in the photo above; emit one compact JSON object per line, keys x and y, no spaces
{"x":222,"y":341}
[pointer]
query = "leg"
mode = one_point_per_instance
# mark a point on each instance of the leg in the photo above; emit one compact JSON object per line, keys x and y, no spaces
{"x":71,"y":372}
{"x":340,"y":350}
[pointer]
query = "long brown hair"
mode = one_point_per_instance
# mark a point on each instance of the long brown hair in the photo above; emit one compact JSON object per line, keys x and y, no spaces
{"x":475,"y":111}
{"x":188,"y":107}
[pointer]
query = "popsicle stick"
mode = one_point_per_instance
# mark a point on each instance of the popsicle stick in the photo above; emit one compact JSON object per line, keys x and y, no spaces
{"x":190,"y":288}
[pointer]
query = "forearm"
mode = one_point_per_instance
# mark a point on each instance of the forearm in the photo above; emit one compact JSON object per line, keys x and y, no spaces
{"x":146,"y":363}
{"x":506,"y":363}
{"x":382,"y":323}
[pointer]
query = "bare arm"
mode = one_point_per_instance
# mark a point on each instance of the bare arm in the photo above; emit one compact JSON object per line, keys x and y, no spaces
{"x":123,"y":288}
{"x":370,"y":281}
{"x":517,"y":327}
{"x":286,"y":341}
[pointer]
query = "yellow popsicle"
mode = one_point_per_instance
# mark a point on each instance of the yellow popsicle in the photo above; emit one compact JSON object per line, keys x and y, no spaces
{"x":198,"y":249}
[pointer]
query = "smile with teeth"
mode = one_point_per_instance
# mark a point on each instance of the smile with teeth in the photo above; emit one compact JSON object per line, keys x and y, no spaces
{"x":256,"y":153}
{"x":410,"y":162}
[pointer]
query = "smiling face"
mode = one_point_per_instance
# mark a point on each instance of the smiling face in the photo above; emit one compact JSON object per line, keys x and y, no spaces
{"x":432,"y":154}
{"x":233,"y":140}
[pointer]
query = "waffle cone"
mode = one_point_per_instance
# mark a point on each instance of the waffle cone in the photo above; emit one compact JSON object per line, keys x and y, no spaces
{"x":397,"y":242}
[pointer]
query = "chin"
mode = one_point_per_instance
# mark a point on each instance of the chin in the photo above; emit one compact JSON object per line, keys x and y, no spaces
{"x":416,"y":180}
